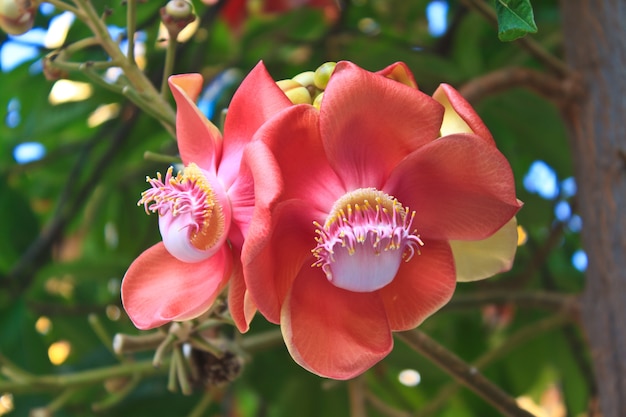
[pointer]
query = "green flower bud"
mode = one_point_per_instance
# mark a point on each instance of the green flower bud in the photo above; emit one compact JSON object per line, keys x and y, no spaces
{"x":305,"y":78}
{"x":296,"y":92}
{"x":323,"y":73}
{"x":317,"y":102}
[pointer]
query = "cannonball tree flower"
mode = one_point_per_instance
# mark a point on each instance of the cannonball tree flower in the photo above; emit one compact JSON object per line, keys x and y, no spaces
{"x":353,"y":236}
{"x":204,"y":210}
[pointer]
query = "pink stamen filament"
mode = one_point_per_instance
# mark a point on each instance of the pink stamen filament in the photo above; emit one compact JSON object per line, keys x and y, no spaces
{"x":188,"y":192}
{"x":385,"y":226}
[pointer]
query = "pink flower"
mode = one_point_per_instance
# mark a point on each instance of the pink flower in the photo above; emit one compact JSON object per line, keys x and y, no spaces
{"x":235,"y":12}
{"x":204,"y":210}
{"x":355,"y":235}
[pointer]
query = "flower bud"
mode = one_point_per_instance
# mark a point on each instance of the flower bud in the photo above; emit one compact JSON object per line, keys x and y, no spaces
{"x":17,"y":16}
{"x":176,"y":15}
{"x":295,"y":92}
{"x":50,"y":71}
{"x":323,"y":73}
{"x":178,"y":9}
{"x":307,"y":79}
{"x":317,"y":102}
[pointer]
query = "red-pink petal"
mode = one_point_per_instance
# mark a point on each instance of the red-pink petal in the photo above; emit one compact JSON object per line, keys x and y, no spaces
{"x":240,"y":304}
{"x":271,"y":260}
{"x":460,"y":116}
{"x":400,"y":72}
{"x":421,"y":287}
{"x":199,"y":140}
{"x":292,"y":138}
{"x":369,"y":123}
{"x":332,"y":332}
{"x":242,"y":196}
{"x":283,"y":157}
{"x":256,"y":100}
{"x":158,"y":288}
{"x":460,"y":187}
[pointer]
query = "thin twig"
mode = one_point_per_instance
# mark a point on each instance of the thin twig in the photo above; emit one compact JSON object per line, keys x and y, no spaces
{"x":545,"y":300}
{"x":356,"y":391}
{"x":510,"y":343}
{"x":556,"y":89}
{"x":170,"y":59}
{"x":81,"y":378}
{"x":202,"y":405}
{"x":383,"y":407}
{"x":131,"y":28}
{"x":462,"y":372}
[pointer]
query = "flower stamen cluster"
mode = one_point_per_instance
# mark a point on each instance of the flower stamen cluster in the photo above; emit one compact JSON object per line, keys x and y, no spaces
{"x":363,"y":223}
{"x":188,"y":193}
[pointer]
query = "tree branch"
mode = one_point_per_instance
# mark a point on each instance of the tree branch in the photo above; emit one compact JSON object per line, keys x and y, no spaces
{"x":556,"y":89}
{"x":514,"y":340}
{"x":552,"y":301}
{"x":462,"y":372}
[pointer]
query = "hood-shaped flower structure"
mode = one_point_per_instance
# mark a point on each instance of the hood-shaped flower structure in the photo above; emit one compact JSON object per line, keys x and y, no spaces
{"x":204,"y":210}
{"x":366,"y":203}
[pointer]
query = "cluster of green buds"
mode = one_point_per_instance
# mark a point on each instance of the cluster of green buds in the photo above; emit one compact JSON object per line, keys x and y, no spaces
{"x":308,"y":87}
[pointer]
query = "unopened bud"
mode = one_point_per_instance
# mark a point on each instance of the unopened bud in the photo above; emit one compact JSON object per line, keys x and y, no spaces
{"x":323,"y":73}
{"x":317,"y":103}
{"x":17,"y":16}
{"x":50,"y":71}
{"x":294,"y":91}
{"x":176,"y":15}
{"x":178,"y":9}
{"x":306,"y":79}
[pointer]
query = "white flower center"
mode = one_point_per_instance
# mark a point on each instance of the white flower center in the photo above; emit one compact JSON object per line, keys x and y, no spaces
{"x":364,"y":239}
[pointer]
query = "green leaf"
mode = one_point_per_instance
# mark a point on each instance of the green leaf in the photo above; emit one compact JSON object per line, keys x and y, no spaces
{"x":515,"y":19}
{"x":20,"y":225}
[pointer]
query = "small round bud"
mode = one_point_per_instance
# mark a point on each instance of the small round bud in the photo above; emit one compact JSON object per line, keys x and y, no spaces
{"x":317,"y":102}
{"x":50,"y":71}
{"x":305,"y":78}
{"x":178,"y":9}
{"x":176,"y":15}
{"x":323,"y":73}
{"x":17,"y":16}
{"x":294,"y":91}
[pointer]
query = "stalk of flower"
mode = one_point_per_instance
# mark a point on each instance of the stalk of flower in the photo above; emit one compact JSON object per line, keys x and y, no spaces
{"x":374,"y":186}
{"x":204,"y":210}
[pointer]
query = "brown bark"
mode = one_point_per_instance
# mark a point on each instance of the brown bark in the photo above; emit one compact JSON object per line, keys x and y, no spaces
{"x":595,"y":46}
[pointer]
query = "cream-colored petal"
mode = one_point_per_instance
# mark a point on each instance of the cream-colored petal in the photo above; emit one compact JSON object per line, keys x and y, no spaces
{"x":475,"y":260}
{"x":452,"y":121}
